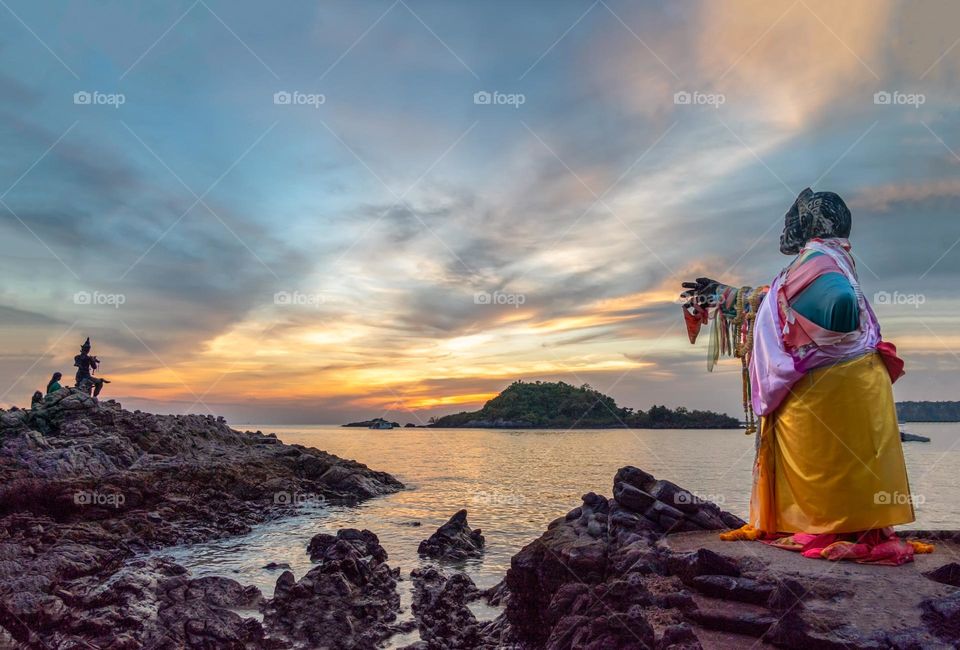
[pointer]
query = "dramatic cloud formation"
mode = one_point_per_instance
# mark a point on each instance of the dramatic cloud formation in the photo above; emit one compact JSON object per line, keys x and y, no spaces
{"x":349,"y":209}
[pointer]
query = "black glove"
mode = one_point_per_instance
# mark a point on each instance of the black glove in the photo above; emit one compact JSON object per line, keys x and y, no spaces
{"x":702,"y":293}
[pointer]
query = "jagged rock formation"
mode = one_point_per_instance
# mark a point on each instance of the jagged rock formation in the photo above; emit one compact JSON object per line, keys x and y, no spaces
{"x":84,"y":485}
{"x":454,"y":540}
{"x":349,"y":600}
{"x":616,"y":573}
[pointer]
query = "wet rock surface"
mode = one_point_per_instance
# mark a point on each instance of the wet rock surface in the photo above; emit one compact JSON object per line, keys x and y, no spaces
{"x":454,"y":540}
{"x":86,"y":486}
{"x":349,"y":600}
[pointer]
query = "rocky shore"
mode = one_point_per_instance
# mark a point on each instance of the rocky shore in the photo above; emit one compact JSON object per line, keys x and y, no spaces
{"x":87,"y":487}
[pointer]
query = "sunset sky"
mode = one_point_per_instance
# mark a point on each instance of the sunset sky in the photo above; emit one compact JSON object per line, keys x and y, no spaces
{"x":387,"y":243}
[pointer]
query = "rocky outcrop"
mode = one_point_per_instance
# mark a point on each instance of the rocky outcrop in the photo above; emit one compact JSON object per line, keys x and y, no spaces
{"x":646,"y":569}
{"x":349,"y":600}
{"x":85,"y":485}
{"x":454,"y":540}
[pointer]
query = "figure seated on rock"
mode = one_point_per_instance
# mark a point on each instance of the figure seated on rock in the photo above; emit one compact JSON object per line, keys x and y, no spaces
{"x":87,"y":365}
{"x":54,"y":384}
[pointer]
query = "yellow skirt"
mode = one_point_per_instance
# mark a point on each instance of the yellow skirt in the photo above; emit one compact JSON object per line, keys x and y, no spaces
{"x":830,"y":457}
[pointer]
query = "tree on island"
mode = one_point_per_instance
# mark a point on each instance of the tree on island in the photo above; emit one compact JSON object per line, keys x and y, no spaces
{"x":561,"y":405}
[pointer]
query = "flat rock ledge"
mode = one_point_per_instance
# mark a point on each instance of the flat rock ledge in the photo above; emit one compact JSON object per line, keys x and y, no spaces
{"x":646,"y":569}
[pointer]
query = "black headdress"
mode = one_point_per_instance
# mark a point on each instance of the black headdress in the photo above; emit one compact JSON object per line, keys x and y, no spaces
{"x":814,"y":214}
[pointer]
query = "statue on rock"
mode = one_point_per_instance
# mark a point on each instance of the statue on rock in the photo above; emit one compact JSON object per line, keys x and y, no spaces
{"x":829,"y":477}
{"x":87,"y":365}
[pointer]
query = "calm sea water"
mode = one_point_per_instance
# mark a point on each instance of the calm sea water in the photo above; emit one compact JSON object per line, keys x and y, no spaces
{"x":513,"y":483}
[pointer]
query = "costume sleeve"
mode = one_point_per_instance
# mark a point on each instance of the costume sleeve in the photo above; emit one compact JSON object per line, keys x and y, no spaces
{"x":727,"y":298}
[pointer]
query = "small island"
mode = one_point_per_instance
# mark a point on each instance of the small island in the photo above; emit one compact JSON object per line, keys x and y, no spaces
{"x":543,"y":405}
{"x":375,"y":423}
{"x":928,"y":411}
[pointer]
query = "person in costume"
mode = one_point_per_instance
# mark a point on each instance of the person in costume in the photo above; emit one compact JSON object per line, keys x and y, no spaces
{"x":829,"y":479}
{"x":54,"y":384}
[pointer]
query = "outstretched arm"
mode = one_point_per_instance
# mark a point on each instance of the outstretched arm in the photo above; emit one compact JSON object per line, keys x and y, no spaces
{"x":705,"y":293}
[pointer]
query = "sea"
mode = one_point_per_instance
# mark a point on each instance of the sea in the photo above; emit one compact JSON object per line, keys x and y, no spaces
{"x":513,"y":483}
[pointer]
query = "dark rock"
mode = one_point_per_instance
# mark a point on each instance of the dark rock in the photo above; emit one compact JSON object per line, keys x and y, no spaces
{"x":635,"y":477}
{"x":948,"y":574}
{"x":729,"y":588}
{"x":701,"y":562}
{"x":454,"y":540}
{"x":86,"y":485}
{"x":942,"y":615}
{"x":365,"y":543}
{"x":632,"y":498}
{"x":678,"y":637}
{"x":349,"y":600}
{"x":674,"y":495}
{"x":787,"y":595}
{"x":440,"y":608}
{"x":735,"y":621}
{"x":276,"y":566}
